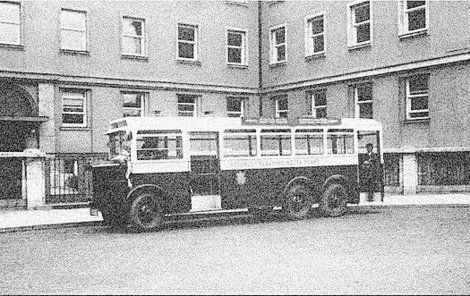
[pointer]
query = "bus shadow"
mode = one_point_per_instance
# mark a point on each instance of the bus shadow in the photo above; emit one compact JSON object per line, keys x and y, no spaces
{"x":228,"y":219}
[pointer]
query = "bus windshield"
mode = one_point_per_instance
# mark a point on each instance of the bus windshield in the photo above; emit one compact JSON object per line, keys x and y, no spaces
{"x":120,"y":144}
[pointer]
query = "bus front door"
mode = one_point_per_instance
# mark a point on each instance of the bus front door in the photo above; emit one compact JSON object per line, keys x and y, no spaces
{"x":370,"y":170}
{"x":205,"y":171}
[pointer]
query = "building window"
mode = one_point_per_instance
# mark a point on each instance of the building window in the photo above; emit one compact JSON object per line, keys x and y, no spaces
{"x":187,"y":105}
{"x":360,"y":25}
{"x":10,"y":23}
{"x":133,"y":104}
{"x":74,"y":108}
{"x":417,"y":96}
{"x":315,"y":35}
{"x":187,"y":42}
{"x":73,"y":30}
{"x":133,"y":36}
{"x":281,"y":106}
{"x":413,"y":17}
{"x":236,"y":47}
{"x":236,"y":106}
{"x":317,"y":102}
{"x":363,"y":100}
{"x":278,"y":44}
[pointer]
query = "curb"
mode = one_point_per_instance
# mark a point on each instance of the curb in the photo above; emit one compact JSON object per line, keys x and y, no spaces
{"x":50,"y":226}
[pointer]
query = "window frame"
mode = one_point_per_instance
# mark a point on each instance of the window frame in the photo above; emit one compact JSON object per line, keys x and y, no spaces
{"x":403,"y":19}
{"x":358,"y":103}
{"x":243,"y":48}
{"x":309,"y":36}
{"x":352,"y":25}
{"x":278,"y":111}
{"x":195,"y":105}
{"x":19,"y":24}
{"x":143,"y":38}
{"x":85,"y":95}
{"x":409,"y":97}
{"x":144,"y":99}
{"x":313,"y":106}
{"x":273,"y":56}
{"x":195,"y":42}
{"x":243,"y":102}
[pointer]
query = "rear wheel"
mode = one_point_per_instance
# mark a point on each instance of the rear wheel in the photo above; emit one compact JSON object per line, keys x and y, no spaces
{"x":334,"y":201}
{"x":298,"y":201}
{"x":146,"y":211}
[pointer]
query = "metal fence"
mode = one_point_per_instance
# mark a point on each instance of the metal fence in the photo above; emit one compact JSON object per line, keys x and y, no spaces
{"x":67,"y":177}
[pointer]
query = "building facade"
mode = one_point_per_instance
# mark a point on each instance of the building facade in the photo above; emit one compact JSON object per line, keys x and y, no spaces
{"x":67,"y":68}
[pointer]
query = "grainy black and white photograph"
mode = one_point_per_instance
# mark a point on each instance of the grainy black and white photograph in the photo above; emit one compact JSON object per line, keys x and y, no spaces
{"x":234,"y":147}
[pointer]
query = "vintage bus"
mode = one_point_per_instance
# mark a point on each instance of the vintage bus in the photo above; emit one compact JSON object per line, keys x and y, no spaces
{"x":165,"y":166}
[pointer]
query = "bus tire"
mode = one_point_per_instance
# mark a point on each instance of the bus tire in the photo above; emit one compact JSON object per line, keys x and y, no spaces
{"x":146,"y":211}
{"x":334,"y":201}
{"x":298,"y":202}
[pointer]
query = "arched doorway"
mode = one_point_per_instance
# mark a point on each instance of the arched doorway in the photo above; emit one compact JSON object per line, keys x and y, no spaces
{"x":18,"y":123}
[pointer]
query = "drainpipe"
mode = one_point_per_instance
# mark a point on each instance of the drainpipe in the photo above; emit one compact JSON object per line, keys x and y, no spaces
{"x":260,"y":59}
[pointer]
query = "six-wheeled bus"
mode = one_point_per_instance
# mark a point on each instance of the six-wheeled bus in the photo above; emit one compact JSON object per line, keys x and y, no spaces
{"x":164,"y":166}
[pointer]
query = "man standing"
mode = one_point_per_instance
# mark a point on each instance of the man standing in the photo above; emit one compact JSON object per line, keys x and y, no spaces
{"x":370,"y":171}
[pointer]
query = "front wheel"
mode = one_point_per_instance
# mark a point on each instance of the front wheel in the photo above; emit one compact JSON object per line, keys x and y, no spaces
{"x":334,"y":201}
{"x":146,"y":211}
{"x":298,"y":202}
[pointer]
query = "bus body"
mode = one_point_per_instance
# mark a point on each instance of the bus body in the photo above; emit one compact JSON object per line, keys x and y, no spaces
{"x":171,"y":165}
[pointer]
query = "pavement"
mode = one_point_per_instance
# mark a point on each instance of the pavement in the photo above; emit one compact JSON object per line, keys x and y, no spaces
{"x":20,"y":220}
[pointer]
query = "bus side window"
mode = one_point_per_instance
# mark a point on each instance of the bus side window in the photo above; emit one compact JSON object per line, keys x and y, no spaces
{"x":275,"y":142}
{"x":154,"y":147}
{"x":308,"y":142}
{"x":239,"y":143}
{"x":340,"y":142}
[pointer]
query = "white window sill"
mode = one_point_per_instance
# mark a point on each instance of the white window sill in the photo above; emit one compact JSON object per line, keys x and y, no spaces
{"x":418,"y":33}
{"x":317,"y":55}
{"x":189,"y":62}
{"x":360,"y":45}
{"x":277,"y":64}
{"x":237,"y":66}
{"x":127,"y":56}
{"x":74,"y":128}
{"x":417,"y":120}
{"x":237,"y":3}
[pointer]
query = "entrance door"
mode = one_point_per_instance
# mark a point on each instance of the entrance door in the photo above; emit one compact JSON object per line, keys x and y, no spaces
{"x":12,"y":139}
{"x":370,"y":165}
{"x":205,"y":171}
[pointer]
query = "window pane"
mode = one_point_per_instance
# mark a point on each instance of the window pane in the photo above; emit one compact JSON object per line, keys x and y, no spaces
{"x":132,"y":100}
{"x":240,"y":145}
{"x":72,"y":118}
{"x":132,"y":113}
{"x":234,"y":39}
{"x":163,"y":147}
{"x":73,"y":20}
{"x":362,"y":13}
{"x":73,"y":40}
{"x":320,"y":99}
{"x":317,"y":25}
{"x":9,"y":33}
{"x":365,"y":110}
{"x":282,"y":103}
{"x":235,"y":55}
{"x":132,"y":45}
{"x":186,"y":99}
{"x":186,"y":33}
{"x":364,"y":92}
{"x":186,"y":108}
{"x":132,"y":27}
{"x":320,"y":113}
{"x":419,"y":114}
{"x":269,"y":145}
{"x":285,"y":145}
{"x":416,"y":20}
{"x":318,"y":43}
{"x":186,"y":50}
{"x":281,"y":53}
{"x":363,"y":33}
{"x":10,"y":13}
{"x":420,"y":103}
{"x":413,"y":4}
{"x":280,"y":36}
{"x":234,"y":105}
{"x":418,"y":84}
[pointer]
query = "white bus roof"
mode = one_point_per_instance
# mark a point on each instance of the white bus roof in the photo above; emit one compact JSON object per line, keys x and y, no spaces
{"x":222,"y":123}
